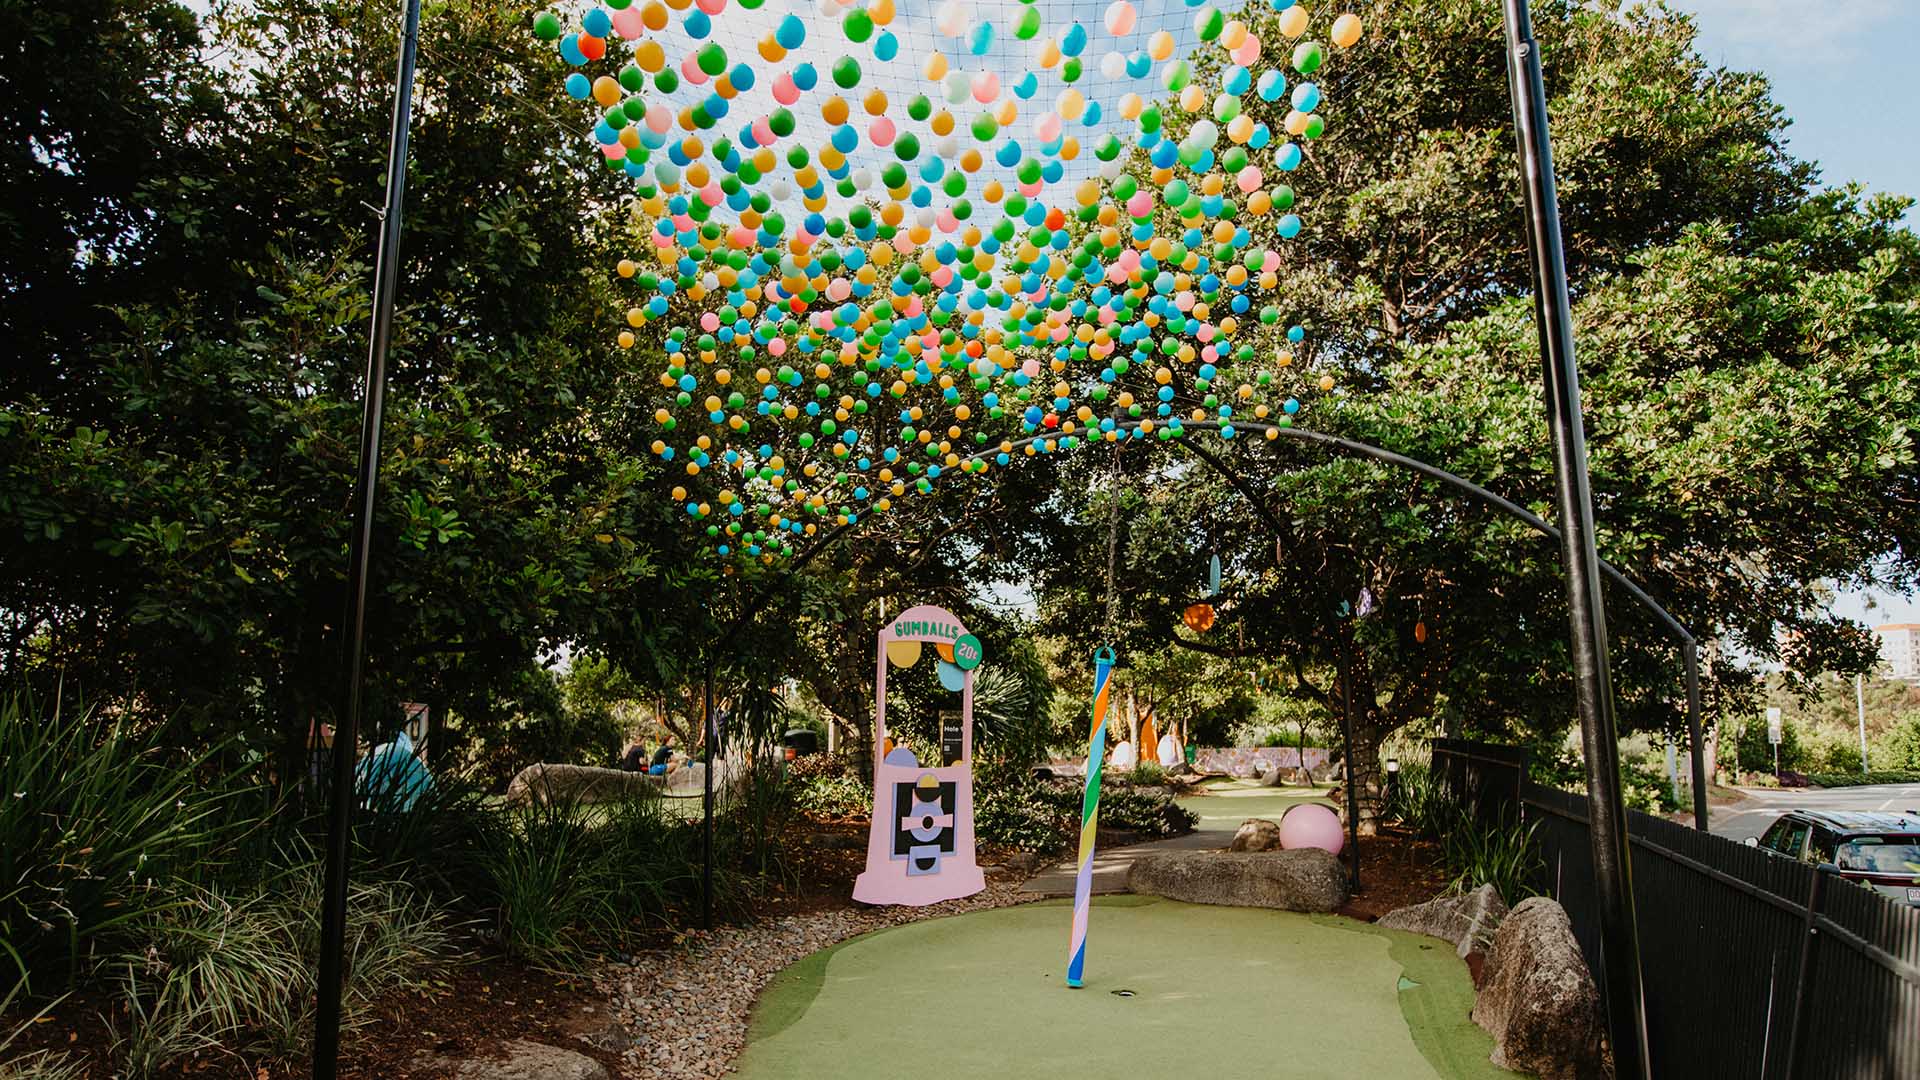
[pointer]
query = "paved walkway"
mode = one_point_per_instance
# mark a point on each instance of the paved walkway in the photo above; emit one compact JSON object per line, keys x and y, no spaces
{"x":1221,"y":810}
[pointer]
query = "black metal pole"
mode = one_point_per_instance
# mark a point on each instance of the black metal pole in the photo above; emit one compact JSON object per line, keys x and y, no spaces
{"x":1353,"y":788}
{"x":1696,"y":738}
{"x":1593,"y":690}
{"x":333,"y":912}
{"x":706,"y":847}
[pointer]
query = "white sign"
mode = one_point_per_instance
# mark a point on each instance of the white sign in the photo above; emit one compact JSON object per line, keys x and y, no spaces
{"x":1773,"y":726}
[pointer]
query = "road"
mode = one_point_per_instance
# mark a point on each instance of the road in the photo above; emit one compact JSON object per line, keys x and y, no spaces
{"x":1752,"y":815}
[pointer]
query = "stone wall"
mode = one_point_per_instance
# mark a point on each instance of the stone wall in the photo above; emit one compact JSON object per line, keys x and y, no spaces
{"x":1240,"y":760}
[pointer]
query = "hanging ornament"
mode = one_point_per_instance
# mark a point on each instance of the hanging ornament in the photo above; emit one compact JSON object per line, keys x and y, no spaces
{"x":1198,"y":617}
{"x":1420,"y":631}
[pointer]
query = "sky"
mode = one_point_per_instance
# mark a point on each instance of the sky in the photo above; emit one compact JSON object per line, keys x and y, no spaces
{"x":1843,"y":71}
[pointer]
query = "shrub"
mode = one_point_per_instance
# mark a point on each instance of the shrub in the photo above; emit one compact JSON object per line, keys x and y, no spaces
{"x":1753,"y":753}
{"x":1419,"y":802}
{"x":1147,"y":774}
{"x":812,"y":766}
{"x":1506,"y":856}
{"x":1856,"y":779}
{"x":235,"y":970}
{"x":832,"y":797}
{"x":1148,"y":811}
{"x":95,"y":824}
{"x":553,"y":884}
{"x":1020,"y":816}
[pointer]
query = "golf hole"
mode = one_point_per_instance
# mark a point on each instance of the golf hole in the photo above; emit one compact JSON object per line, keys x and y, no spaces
{"x":1122,"y":993}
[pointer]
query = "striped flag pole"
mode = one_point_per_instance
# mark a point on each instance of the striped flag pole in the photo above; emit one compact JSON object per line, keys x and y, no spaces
{"x":1089,"y":818}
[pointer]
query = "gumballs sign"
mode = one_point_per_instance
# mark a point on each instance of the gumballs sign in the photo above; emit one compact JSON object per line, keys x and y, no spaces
{"x":1311,"y":825}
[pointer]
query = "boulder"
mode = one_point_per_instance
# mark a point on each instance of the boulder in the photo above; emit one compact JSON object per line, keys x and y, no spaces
{"x":1539,"y":1001}
{"x":1273,"y":777}
{"x":532,"y":1061}
{"x":1306,"y":879}
{"x":579,"y":783}
{"x":1256,"y":834}
{"x":1466,"y":922}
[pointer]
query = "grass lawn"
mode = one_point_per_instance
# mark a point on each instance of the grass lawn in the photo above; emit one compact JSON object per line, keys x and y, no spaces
{"x":1216,"y":991}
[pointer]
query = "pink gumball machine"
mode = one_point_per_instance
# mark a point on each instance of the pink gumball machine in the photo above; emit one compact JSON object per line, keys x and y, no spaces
{"x":920,"y":845}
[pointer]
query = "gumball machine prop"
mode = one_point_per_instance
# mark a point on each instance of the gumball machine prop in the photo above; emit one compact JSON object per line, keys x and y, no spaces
{"x":920,"y":845}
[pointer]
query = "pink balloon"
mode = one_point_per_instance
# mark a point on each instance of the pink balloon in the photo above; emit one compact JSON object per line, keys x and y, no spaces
{"x":613,"y":149}
{"x":784,"y":91}
{"x":1030,"y":368}
{"x":1184,"y":301}
{"x":902,"y":243}
{"x":762,"y":128}
{"x":778,"y":346}
{"x":711,"y":7}
{"x":740,"y":236}
{"x":1248,"y":52}
{"x":659,"y":118}
{"x":946,"y":223}
{"x":683,"y":222}
{"x":1206,"y":332}
{"x":1271,"y":262}
{"x":662,"y":241}
{"x":1311,"y":825}
{"x":881,"y":131}
{"x":837,"y":290}
{"x":1248,"y":180}
{"x":709,"y":322}
{"x":626,"y":23}
{"x":914,"y":308}
{"x":1030,"y":190}
{"x":986,"y":87}
{"x":1120,"y":18}
{"x":690,"y":71}
{"x":1047,"y":126}
{"x":712,"y":195}
{"x":1210,"y":353}
{"x":1141,"y":204}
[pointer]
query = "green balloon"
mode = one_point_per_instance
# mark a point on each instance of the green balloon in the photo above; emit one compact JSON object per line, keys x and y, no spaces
{"x":546,"y":26}
{"x":1209,"y":23}
{"x":1316,"y":127}
{"x":846,"y":73}
{"x":712,"y":59}
{"x":858,"y":25}
{"x":1308,"y":56}
{"x":919,"y":108}
{"x":985,"y":127}
{"x":906,"y":147}
{"x":1179,"y":75}
{"x":1029,"y":24}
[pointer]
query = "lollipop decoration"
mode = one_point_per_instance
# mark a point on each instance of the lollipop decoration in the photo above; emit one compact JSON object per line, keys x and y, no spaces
{"x":863,"y":272}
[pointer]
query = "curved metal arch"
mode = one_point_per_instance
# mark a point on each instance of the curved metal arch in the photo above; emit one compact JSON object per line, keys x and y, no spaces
{"x":1689,"y":645}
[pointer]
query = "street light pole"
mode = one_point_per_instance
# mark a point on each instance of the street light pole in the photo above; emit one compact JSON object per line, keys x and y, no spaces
{"x":1593,"y":690}
{"x":333,"y":911}
{"x":1860,"y":712}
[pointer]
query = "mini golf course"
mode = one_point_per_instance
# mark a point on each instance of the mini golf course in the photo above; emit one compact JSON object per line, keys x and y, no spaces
{"x":1214,"y":991}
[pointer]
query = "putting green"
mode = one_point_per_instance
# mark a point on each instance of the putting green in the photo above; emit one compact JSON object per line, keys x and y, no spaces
{"x":1216,"y":991}
{"x":1225,"y":806}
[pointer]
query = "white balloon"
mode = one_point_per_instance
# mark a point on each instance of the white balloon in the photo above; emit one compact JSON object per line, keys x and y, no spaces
{"x":951,"y":18}
{"x":829,"y":10}
{"x":947,"y":146}
{"x":957,"y":87}
{"x":863,"y":178}
{"x":1113,"y":65}
{"x":710,"y":279}
{"x":1111,"y":170}
{"x":780,"y":191}
{"x":925,"y":217}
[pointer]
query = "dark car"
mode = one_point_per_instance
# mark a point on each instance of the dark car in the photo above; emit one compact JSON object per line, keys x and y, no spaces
{"x":1879,"y":850}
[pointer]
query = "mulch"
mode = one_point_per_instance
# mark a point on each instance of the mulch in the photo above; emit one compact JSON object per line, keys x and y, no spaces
{"x":1397,"y":869}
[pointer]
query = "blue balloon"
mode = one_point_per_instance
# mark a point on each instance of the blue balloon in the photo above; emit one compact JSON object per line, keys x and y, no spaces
{"x":806,"y":77}
{"x":791,"y":33}
{"x":1290,"y":226}
{"x":1074,"y":41}
{"x":1028,"y":85}
{"x":597,"y":23}
{"x":1138,"y":64}
{"x":885,"y":47}
{"x":1236,"y":79}
{"x":980,"y":38}
{"x":1287,"y":158}
{"x":742,"y":78}
{"x":698,"y":24}
{"x":570,"y":50}
{"x":579,"y":86}
{"x":1306,"y":97}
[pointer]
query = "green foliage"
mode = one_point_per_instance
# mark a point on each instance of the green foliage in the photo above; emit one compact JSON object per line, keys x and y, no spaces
{"x":1419,"y":802}
{"x":1505,"y":855}
{"x":1020,"y":816}
{"x":1859,"y":779}
{"x":234,"y":969}
{"x":1899,"y":748}
{"x":40,"y":1064}
{"x":98,"y":825}
{"x":1147,"y":773}
{"x":832,"y":797}
{"x":1148,"y":811}
{"x":1753,"y":753}
{"x":555,"y":882}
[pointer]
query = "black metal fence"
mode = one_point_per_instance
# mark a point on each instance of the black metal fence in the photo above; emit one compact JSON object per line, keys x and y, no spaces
{"x":1487,"y":780}
{"x":1754,"y":965}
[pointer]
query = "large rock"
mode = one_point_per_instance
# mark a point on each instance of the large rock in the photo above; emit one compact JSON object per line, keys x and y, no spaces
{"x":1539,"y":1001}
{"x":579,"y":783}
{"x":1305,"y":879}
{"x":1256,"y":834}
{"x":532,"y":1061}
{"x":1466,"y":922}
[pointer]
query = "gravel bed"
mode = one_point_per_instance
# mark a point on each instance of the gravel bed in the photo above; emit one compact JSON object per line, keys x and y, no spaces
{"x":682,"y":1012}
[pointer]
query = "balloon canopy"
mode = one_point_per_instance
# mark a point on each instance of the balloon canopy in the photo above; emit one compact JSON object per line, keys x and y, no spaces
{"x":883,"y":244}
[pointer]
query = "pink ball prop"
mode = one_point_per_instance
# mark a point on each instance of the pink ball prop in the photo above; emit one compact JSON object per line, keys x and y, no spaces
{"x":1311,"y":825}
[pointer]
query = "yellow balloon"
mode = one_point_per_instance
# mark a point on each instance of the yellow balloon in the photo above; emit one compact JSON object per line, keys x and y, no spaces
{"x":1293,"y":21}
{"x":935,"y":67}
{"x":1296,"y":122}
{"x":834,"y":110}
{"x":650,"y":56}
{"x":880,"y":11}
{"x":1326,"y":382}
{"x":1240,"y":128}
{"x":1192,"y":98}
{"x":1130,"y":106}
{"x":606,"y":90}
{"x":1071,"y":105}
{"x":626,"y":342}
{"x":1233,"y":34}
{"x":1160,"y":45}
{"x":1049,"y":53}
{"x":1346,"y":30}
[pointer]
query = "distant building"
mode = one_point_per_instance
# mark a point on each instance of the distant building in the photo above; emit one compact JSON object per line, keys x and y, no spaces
{"x":1900,"y":649}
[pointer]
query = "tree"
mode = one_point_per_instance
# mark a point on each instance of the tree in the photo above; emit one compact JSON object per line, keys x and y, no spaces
{"x":1747,"y":349}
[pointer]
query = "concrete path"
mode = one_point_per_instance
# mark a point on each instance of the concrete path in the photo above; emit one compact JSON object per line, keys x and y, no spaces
{"x":1751,"y":815}
{"x":1220,"y":810}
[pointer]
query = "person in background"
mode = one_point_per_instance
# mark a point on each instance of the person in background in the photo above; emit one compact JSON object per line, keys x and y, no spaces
{"x":635,"y":759}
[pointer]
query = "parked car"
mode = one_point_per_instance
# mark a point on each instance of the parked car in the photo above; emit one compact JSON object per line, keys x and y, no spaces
{"x":1876,"y":849}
